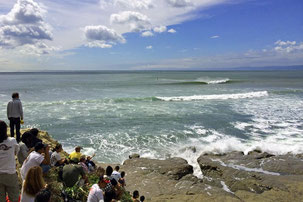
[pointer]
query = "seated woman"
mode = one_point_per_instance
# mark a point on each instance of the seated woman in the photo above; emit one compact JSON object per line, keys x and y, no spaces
{"x":32,"y":184}
{"x":82,"y":163}
{"x":56,"y":159}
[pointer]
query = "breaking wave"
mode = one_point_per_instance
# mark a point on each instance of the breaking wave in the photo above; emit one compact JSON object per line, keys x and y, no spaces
{"x":216,"y":97}
{"x":201,"y":82}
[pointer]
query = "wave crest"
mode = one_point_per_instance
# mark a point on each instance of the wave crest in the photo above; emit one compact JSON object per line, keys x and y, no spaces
{"x":216,"y":97}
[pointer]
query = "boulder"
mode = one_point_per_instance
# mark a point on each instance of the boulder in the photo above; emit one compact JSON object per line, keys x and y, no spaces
{"x":255,"y":173}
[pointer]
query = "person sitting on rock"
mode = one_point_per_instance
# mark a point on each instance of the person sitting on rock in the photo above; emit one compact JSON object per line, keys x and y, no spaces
{"x":32,"y":184}
{"x":96,"y":193}
{"x":36,"y":158}
{"x":108,"y":172}
{"x":56,"y":159}
{"x":135,"y":196}
{"x":75,"y":155}
{"x":90,"y":164}
{"x":122,"y":179}
{"x":25,"y":147}
{"x":71,"y":175}
{"x":82,"y":163}
{"x":35,"y":140}
{"x":116,"y":175}
{"x":110,"y":192}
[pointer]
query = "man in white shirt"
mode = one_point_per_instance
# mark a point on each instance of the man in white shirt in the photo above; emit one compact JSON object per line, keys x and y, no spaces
{"x":37,"y":159}
{"x":8,"y":175}
{"x":116,"y":175}
{"x":95,"y":192}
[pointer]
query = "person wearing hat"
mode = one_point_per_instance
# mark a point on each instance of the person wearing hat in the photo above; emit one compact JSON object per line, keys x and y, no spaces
{"x":75,"y":155}
{"x":36,"y":158}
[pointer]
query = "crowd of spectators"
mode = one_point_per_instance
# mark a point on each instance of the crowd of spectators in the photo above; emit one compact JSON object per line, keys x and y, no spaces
{"x":36,"y":159}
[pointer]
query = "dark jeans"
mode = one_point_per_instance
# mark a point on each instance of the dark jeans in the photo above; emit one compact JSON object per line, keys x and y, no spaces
{"x":15,"y":122}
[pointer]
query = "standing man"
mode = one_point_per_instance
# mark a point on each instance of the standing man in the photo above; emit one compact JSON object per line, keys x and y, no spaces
{"x":15,"y":115}
{"x":9,"y":183}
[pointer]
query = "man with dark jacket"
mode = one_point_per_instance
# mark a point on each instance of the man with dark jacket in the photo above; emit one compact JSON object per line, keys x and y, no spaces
{"x":15,"y":115}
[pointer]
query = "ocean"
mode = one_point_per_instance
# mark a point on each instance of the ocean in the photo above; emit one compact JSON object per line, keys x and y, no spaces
{"x":160,"y":114}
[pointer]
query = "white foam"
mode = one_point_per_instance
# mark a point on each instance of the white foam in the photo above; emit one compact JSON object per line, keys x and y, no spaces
{"x":239,"y":167}
{"x":218,"y":81}
{"x":225,"y":187}
{"x":216,"y":97}
{"x":89,"y":151}
{"x":212,"y":80}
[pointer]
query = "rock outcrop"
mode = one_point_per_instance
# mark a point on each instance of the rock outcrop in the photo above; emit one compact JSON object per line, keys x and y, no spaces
{"x":168,"y":180}
{"x":255,"y":175}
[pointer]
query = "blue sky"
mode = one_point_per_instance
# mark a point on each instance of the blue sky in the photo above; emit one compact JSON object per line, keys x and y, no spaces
{"x":149,"y":34}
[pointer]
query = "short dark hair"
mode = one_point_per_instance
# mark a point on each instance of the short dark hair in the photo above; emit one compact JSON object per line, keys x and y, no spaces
{"x":34,"y":131}
{"x":142,"y":198}
{"x":39,"y":146}
{"x":15,"y":95}
{"x":117,"y":168}
{"x":122,"y":174}
{"x":136,"y":194}
{"x":3,"y":131}
{"x":109,"y":170}
{"x":43,"y":195}
{"x":25,"y":136}
{"x":58,"y":146}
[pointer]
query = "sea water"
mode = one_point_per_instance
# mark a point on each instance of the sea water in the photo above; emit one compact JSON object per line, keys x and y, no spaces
{"x":162,"y":114}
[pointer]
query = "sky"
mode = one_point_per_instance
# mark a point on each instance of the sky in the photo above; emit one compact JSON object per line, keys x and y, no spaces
{"x":39,"y":35}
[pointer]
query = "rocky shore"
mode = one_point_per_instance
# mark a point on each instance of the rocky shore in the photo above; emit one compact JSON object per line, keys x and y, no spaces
{"x":258,"y":176}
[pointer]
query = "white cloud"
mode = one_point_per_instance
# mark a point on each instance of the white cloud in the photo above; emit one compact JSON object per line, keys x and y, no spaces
{"x":179,"y":3}
{"x":37,"y":49}
{"x":285,"y":43}
{"x":147,"y":34}
{"x":135,"y":4}
{"x":24,"y":24}
{"x":101,"y":36}
{"x":134,"y":20}
{"x":288,"y":46}
{"x":149,"y":47}
{"x":99,"y":44}
{"x":215,"y":37}
{"x":172,"y":31}
{"x":160,"y":29}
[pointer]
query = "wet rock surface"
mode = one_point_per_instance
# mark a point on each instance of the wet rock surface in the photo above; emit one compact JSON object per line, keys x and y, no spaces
{"x":257,"y":176}
{"x":254,"y":174}
{"x":167,"y":180}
